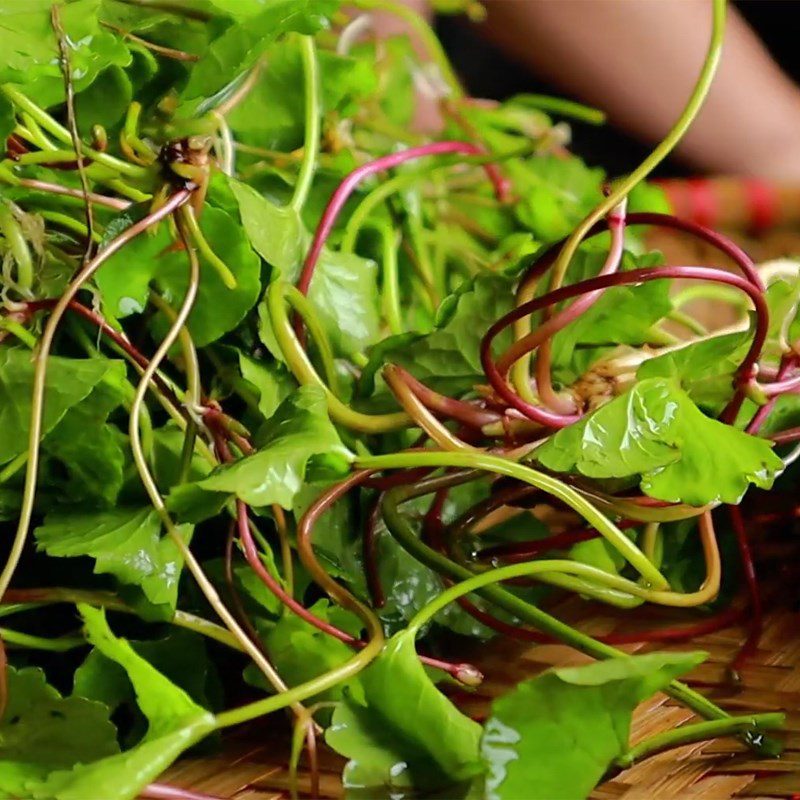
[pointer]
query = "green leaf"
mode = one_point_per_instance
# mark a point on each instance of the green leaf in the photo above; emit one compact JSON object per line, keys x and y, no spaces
{"x":30,"y":49}
{"x":90,"y":451}
{"x":240,"y":46}
{"x":344,"y":293}
{"x":41,"y":731}
{"x":275,"y":232}
{"x":272,"y":382}
{"x":655,"y":431}
{"x":176,"y":722}
{"x":299,"y":430}
{"x":301,"y":652}
{"x":556,"y":735}
{"x":557,"y":193}
{"x":180,"y":656}
{"x":105,"y":101}
{"x":782,"y":298}
{"x":344,"y":289}
{"x":69,"y":380}
{"x":273,"y":114}
{"x":704,"y":369}
{"x":406,"y":729}
{"x":124,"y":280}
{"x":125,"y":542}
{"x":448,"y":358}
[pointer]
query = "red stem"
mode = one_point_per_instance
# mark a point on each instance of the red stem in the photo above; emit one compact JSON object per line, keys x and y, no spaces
{"x":548,"y":418}
{"x":751,"y":580}
{"x":459,"y":410}
{"x":349,"y":184}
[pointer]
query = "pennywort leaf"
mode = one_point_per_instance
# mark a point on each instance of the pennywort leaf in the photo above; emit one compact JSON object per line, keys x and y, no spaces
{"x":298,"y":431}
{"x":556,"y":735}
{"x":656,"y":432}
{"x":407,"y":732}
{"x":42,"y":731}
{"x":125,"y":542}
{"x":175,"y":723}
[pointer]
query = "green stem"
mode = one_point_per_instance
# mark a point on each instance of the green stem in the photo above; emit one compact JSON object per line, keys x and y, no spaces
{"x":391,"y":278}
{"x":62,"y":134}
{"x":32,"y":598}
{"x":688,"y":322}
{"x":26,"y":640}
{"x":624,"y":186}
{"x":426,"y":34}
{"x":556,"y":488}
{"x":20,"y":331}
{"x":12,"y":232}
{"x":563,"y":108}
{"x":70,"y":223}
{"x":312,"y":112}
{"x":710,"y":291}
{"x":222,"y":269}
{"x":13,"y":467}
{"x":700,"y":732}
{"x":297,"y":694}
{"x":16,"y":608}
{"x":194,"y":389}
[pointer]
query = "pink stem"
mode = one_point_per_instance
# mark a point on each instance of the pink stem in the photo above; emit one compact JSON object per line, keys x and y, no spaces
{"x":545,"y":332}
{"x":764,"y":411}
{"x":789,"y":436}
{"x":550,"y":419}
{"x":53,"y":188}
{"x":163,"y":791}
{"x":349,"y":184}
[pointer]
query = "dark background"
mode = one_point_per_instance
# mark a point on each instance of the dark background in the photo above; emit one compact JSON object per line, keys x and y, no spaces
{"x":486,"y":72}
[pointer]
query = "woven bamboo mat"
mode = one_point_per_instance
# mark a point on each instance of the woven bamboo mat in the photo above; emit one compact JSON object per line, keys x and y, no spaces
{"x":252,"y":765}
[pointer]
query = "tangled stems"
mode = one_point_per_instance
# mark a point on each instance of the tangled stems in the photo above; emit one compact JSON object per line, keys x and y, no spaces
{"x":40,"y":373}
{"x":63,"y":135}
{"x":503,"y":466}
{"x":299,"y":363}
{"x":349,"y":184}
{"x":339,"y":594}
{"x":625,"y":185}
{"x":497,"y":375}
{"x":149,"y":483}
{"x":616,"y":225}
{"x":525,"y":611}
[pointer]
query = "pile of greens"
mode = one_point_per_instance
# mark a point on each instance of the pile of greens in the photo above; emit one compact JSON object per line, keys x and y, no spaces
{"x":290,"y":391}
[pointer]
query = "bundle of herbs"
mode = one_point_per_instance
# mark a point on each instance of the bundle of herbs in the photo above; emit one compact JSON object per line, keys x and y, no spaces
{"x":294,"y":398}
